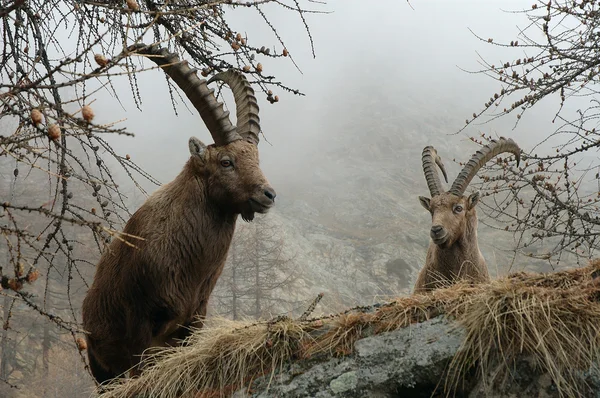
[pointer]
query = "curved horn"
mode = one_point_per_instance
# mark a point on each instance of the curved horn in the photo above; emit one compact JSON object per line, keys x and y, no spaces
{"x":428,"y":157}
{"x":480,"y":158}
{"x":196,"y":89}
{"x":248,"y":122}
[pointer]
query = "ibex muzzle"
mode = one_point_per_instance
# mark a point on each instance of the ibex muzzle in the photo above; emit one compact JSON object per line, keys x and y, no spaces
{"x":438,"y":234}
{"x":262,"y":202}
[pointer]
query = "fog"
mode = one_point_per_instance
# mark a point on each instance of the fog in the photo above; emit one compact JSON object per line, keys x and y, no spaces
{"x":363,"y":50}
{"x":388,"y":78}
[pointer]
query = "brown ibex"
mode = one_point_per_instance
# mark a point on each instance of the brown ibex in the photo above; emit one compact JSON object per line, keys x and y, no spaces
{"x":453,"y":251}
{"x":149,"y":295}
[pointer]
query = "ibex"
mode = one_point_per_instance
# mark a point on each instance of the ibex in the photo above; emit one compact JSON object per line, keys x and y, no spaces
{"x":149,"y":292}
{"x":453,"y":251}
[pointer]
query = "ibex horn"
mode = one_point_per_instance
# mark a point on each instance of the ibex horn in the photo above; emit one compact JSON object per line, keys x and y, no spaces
{"x":248,"y":122}
{"x":429,"y":157}
{"x":479,"y":159}
{"x":211,"y":111}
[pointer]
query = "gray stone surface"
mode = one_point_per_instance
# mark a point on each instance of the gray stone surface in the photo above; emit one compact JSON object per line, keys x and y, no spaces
{"x":381,"y":366}
{"x":410,"y":362}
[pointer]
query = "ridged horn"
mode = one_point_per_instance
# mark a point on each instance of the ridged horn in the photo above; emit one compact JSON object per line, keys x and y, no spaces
{"x":211,"y":111}
{"x":248,"y":122}
{"x":480,"y":158}
{"x":429,"y":157}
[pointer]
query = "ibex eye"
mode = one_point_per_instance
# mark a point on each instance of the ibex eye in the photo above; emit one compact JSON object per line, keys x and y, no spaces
{"x":458,"y":209}
{"x":226,"y":163}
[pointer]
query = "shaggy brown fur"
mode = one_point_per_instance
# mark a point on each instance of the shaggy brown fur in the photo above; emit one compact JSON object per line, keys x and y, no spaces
{"x":149,"y":291}
{"x":148,"y":295}
{"x":453,"y":252}
{"x":455,"y":246}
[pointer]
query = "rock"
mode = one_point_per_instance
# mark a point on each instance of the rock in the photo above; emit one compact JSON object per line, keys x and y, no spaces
{"x":409,"y":360}
{"x":346,"y":382}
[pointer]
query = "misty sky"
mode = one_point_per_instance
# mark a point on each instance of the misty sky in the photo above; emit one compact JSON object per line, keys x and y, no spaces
{"x":385,"y":44}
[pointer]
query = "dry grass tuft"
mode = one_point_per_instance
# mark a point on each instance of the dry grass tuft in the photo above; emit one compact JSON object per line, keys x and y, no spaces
{"x":553,"y":319}
{"x":217,"y":358}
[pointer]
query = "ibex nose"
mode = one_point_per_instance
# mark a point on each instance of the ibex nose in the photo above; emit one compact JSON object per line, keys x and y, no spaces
{"x":270,"y":193}
{"x":436,"y":229}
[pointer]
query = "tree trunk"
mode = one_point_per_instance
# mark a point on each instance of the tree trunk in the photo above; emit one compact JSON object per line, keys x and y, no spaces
{"x":257,"y":289}
{"x":6,"y":357}
{"x":46,"y":349}
{"x":4,"y":360}
{"x":257,"y":308}
{"x":234,"y":287}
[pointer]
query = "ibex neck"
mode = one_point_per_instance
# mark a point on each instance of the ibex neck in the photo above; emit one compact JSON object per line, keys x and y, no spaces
{"x":469,"y":242}
{"x":197,"y":228}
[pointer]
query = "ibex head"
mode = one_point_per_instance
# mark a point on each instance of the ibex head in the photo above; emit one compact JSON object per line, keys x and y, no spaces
{"x":234,"y":180}
{"x":451,"y":210}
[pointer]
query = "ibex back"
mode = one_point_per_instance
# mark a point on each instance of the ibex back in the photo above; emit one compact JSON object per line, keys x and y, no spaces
{"x":149,"y":295}
{"x":454,"y":252}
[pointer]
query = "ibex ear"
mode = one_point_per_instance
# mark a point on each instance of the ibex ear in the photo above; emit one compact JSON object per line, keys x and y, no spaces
{"x":197,"y":147}
{"x":425,"y":202}
{"x":472,"y":200}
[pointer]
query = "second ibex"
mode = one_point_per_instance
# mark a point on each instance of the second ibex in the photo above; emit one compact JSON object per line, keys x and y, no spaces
{"x":454,"y":252}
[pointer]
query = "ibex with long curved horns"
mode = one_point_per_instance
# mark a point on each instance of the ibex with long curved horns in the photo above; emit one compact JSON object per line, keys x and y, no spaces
{"x":454,"y":252}
{"x":149,"y":295}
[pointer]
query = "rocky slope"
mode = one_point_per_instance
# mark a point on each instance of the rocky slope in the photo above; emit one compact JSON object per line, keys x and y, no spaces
{"x":351,"y":214}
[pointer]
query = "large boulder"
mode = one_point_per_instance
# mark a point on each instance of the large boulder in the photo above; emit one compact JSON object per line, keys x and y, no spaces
{"x":403,"y":362}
